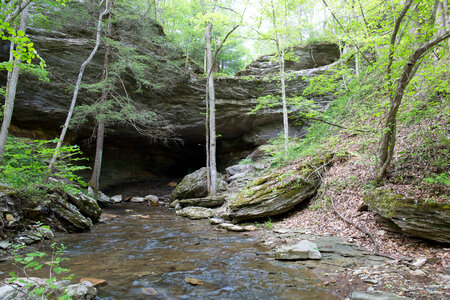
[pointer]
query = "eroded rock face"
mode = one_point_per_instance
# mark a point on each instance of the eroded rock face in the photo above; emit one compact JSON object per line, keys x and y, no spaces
{"x":194,"y":185}
{"x":413,"y":217}
{"x":307,"y":57}
{"x":41,"y":107}
{"x":277,"y":192}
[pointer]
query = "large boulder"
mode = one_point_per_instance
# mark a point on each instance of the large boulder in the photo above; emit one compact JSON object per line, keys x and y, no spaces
{"x":413,"y":217}
{"x":68,"y":215}
{"x":194,"y":185}
{"x":278,"y":192}
{"x":87,"y":206}
{"x":21,"y":208}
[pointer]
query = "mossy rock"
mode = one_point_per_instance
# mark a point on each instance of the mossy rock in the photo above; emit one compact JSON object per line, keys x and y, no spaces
{"x":195,"y":213}
{"x":413,"y":217}
{"x":194,"y":185}
{"x":45,"y":205}
{"x":212,"y":201}
{"x":279,"y":191}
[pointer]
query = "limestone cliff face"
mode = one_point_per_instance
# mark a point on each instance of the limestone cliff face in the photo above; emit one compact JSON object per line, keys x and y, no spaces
{"x":41,"y":107}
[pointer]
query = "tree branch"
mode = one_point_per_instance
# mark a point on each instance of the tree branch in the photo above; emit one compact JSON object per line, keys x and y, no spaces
{"x":398,"y":22}
{"x":345,"y":30}
{"x":17,"y":11}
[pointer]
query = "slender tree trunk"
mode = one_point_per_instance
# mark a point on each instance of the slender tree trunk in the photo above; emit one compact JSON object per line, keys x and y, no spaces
{"x":387,"y":143}
{"x":208,"y":155}
{"x":77,"y":88}
{"x":283,"y":97}
{"x":212,"y":111}
{"x":11,"y":85}
{"x":94,"y":182}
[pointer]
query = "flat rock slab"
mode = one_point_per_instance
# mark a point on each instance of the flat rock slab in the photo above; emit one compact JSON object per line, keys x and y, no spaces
{"x":413,"y":217}
{"x":212,"y":201}
{"x":303,"y":250}
{"x":195,"y":213}
{"x":376,"y":296}
{"x":216,"y":221}
{"x":232,"y":227}
{"x":137,"y":200}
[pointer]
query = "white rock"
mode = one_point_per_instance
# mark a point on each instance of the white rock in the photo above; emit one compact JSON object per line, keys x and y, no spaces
{"x":231,"y":227}
{"x":46,"y":232}
{"x":117,"y":198}
{"x":82,"y":291}
{"x":303,"y":250}
{"x":151,"y":197}
{"x":137,"y":199}
{"x":7,"y":292}
{"x":419,"y":262}
{"x":418,"y":272}
{"x":4,"y":245}
{"x":215,"y":221}
{"x":102,"y":198}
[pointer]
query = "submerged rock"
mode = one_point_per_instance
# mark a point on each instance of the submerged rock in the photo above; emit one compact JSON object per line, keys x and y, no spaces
{"x":302,"y":250}
{"x":195,"y":213}
{"x":194,"y":185}
{"x":212,"y":201}
{"x":412,"y":217}
{"x":277,"y":192}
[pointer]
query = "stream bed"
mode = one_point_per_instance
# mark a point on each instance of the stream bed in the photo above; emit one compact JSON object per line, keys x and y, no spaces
{"x":151,"y":258}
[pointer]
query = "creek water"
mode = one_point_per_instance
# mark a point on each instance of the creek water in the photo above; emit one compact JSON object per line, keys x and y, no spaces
{"x":143,"y":257}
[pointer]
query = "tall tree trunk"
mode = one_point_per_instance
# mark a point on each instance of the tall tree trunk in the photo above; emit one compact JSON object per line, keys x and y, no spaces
{"x":283,"y":97}
{"x":11,"y":85}
{"x":280,"y":52}
{"x":77,"y":88}
{"x":387,"y":143}
{"x":212,"y":111}
{"x":208,"y":155}
{"x":94,"y":182}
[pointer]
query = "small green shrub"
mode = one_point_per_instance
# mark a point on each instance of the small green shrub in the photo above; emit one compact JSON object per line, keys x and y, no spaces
{"x":33,"y":262}
{"x":26,"y":162}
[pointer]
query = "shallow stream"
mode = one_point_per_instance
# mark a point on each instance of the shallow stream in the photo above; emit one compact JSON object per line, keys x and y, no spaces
{"x":143,"y":257}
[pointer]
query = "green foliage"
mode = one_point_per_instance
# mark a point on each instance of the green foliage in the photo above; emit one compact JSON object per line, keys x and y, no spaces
{"x":268,"y":224}
{"x":442,"y":178}
{"x":26,"y":161}
{"x":33,"y":262}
